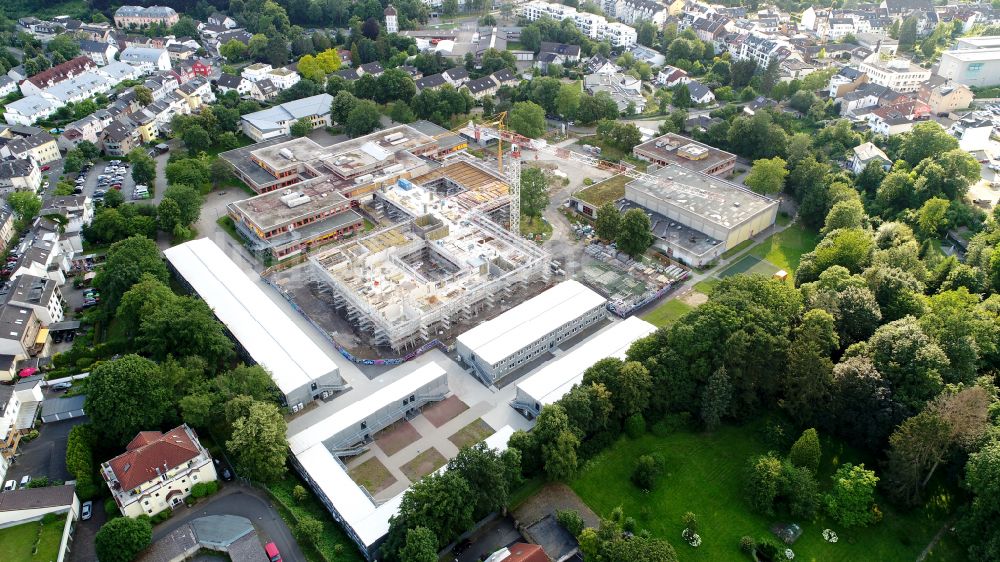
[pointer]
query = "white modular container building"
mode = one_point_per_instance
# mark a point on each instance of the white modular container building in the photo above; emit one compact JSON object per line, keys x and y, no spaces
{"x":518,"y":336}
{"x":556,"y":378}
{"x":263,"y":332}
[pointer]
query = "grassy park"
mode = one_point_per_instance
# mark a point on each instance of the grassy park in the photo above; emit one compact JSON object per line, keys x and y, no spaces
{"x":785,"y":248}
{"x":704,"y":474}
{"x":667,"y":313}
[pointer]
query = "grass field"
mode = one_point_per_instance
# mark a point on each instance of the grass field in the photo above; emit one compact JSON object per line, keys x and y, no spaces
{"x":785,"y":248}
{"x":32,"y":541}
{"x":611,"y":189}
{"x":704,"y":474}
{"x":535,"y":227}
{"x":737,"y":248}
{"x":667,"y":313}
{"x":749,"y":265}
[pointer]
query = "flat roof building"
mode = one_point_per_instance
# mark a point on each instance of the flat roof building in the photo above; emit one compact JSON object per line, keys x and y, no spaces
{"x":695,"y":216}
{"x":972,"y":67}
{"x":558,"y":377}
{"x":691,"y":154}
{"x":263,"y":332}
{"x":277,"y":121}
{"x":522,"y":334}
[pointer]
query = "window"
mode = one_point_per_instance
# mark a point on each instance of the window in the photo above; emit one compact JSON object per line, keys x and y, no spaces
{"x":364,"y":425}
{"x":975,"y":66}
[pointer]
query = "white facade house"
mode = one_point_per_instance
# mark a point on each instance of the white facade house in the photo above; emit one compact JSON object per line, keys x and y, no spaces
{"x":865,"y":153}
{"x":27,"y":110}
{"x":30,"y":505}
{"x":264,"y":333}
{"x":556,"y":378}
{"x":19,"y":174}
{"x":595,"y":27}
{"x":146,"y":59}
{"x":100,"y":53}
{"x":900,"y":75}
{"x":391,"y":20}
{"x":277,"y":121}
{"x":39,"y":294}
{"x":535,"y":327}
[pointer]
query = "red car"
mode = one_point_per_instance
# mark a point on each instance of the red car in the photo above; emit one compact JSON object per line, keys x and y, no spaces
{"x":46,"y":168}
{"x":272,"y":552}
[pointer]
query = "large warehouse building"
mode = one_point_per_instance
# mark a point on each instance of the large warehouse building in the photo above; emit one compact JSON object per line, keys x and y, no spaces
{"x":263,"y":332}
{"x":522,"y":334}
{"x":695,"y":216}
{"x":558,"y":377}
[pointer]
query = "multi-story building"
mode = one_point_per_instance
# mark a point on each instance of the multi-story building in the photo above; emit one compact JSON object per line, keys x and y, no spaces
{"x":7,"y":231}
{"x":119,"y":138}
{"x":846,"y":80}
{"x":139,"y":16}
{"x":40,"y":147}
{"x":759,"y":48}
{"x":21,"y":332}
{"x":595,"y":27}
{"x":196,"y":93}
{"x":100,"y":53}
{"x":78,"y":210}
{"x":865,"y":153}
{"x":18,"y":403}
{"x":900,"y":75}
{"x":157,"y":470}
{"x":19,"y":174}
{"x":58,"y":73}
{"x":944,"y":96}
{"x":277,"y":121}
{"x":37,"y":293}
{"x":675,"y":149}
{"x":391,"y":20}
{"x":634,"y":12}
{"x":619,"y":35}
{"x":147,"y":60}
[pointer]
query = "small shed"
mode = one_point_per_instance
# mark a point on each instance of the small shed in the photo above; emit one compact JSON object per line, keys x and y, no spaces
{"x":58,"y":409}
{"x":781,"y":275}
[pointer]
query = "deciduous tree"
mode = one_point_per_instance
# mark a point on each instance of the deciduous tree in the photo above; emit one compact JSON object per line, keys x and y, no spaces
{"x":121,"y":539}
{"x":852,"y":498}
{"x":635,"y":233}
{"x":767,"y":175}
{"x":258,"y":443}
{"x":126,"y":396}
{"x":534,"y":192}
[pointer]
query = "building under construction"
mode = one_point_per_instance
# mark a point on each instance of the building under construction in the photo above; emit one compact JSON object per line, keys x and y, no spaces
{"x":444,"y":260}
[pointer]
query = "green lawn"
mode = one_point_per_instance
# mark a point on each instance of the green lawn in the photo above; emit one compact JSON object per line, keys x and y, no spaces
{"x":786,"y":247}
{"x":534,"y":227}
{"x":32,"y":541}
{"x":667,"y":313}
{"x":705,"y":286}
{"x":737,"y":248}
{"x":704,"y":474}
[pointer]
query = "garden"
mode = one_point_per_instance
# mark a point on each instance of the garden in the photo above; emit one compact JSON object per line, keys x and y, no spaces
{"x":705,"y":473}
{"x":36,"y":540}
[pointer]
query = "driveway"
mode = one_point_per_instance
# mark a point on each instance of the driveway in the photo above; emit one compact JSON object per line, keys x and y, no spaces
{"x":46,"y":454}
{"x":82,"y":549}
{"x":52,"y":175}
{"x":236,"y":499}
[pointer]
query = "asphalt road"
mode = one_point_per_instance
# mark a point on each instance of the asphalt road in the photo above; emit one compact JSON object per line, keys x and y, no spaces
{"x":236,"y":499}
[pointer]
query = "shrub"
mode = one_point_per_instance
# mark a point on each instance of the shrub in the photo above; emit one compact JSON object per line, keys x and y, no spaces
{"x":111,"y":509}
{"x":690,"y":521}
{"x":161,"y":516}
{"x":806,"y":451}
{"x":672,"y":423}
{"x":767,"y":550}
{"x":747,"y":544}
{"x":308,"y":530}
{"x":629,"y":525}
{"x":570,"y":520}
{"x":588,"y":181}
{"x":40,"y":482}
{"x":763,"y":475}
{"x":647,"y":471}
{"x":299,"y":493}
{"x":204,"y":489}
{"x":635,"y":426}
{"x":29,"y":436}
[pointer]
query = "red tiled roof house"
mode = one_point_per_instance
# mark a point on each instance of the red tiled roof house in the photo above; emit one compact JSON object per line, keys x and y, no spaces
{"x":157,"y":471}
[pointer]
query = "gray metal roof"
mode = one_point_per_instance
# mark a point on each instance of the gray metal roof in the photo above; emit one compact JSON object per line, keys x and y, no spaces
{"x":57,"y":406}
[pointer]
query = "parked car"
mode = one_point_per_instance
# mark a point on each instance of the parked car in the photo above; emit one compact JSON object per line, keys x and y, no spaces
{"x":227,"y":474}
{"x":45,"y":185}
{"x":272,"y":552}
{"x":25,"y":480}
{"x":46,"y":168}
{"x":10,"y":485}
{"x":87,"y":510}
{"x":61,"y":386}
{"x":57,"y":337}
{"x":70,"y":336}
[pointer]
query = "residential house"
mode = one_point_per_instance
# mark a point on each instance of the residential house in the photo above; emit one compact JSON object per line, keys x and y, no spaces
{"x":196,"y":93}
{"x":19,"y":174}
{"x":7,"y":231}
{"x":634,"y":12}
{"x":58,"y":73}
{"x":867,"y":152}
{"x":44,"y":257}
{"x":624,"y":89}
{"x":18,"y":405}
{"x":230,"y":82}
{"x":7,"y":85}
{"x":20,"y":332}
{"x":283,"y":78}
{"x":148,"y":60}
{"x":893,"y":120}
{"x":264,"y":90}
{"x":257,"y":71}
{"x":157,"y":471}
{"x":162,"y":84}
{"x":505,"y":77}
{"x":119,"y":138}
{"x":670,"y":76}
{"x":178,"y":52}
{"x":700,"y":93}
{"x":431,"y":82}
{"x":413,"y":71}
{"x":567,"y":53}
{"x":620,"y":36}
{"x":40,"y":294}
{"x":240,"y":35}
{"x":846,"y":80}
{"x":457,"y":76}
{"x":30,"y":505}
{"x":759,"y":48}
{"x":277,"y":121}
{"x":482,"y":87}
{"x":78,"y":210}
{"x":222,"y":20}
{"x":40,"y":147}
{"x":543,"y":61}
{"x":376,"y":70}
{"x":139,"y":16}
{"x":600,"y":65}
{"x":944,"y":96}
{"x":100,"y":53}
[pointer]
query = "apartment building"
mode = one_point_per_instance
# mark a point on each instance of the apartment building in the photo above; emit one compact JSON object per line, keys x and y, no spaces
{"x":759,"y":48}
{"x":595,"y":27}
{"x":73,"y":67}
{"x":19,"y":174}
{"x":40,"y":294}
{"x":118,"y":138}
{"x":900,"y":75}
{"x":40,"y":147}
{"x":148,"y":60}
{"x":18,"y":404}
{"x":21,"y":332}
{"x":157,"y":470}
{"x":277,"y":121}
{"x":634,"y":12}
{"x":101,"y":53}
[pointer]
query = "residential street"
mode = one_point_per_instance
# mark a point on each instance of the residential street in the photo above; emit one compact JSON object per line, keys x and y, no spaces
{"x":237,"y":499}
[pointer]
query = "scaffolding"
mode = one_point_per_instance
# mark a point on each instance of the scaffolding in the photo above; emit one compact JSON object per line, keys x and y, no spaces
{"x":444,"y":261}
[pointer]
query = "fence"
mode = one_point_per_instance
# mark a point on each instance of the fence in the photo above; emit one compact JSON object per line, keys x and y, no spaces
{"x":342,"y":350}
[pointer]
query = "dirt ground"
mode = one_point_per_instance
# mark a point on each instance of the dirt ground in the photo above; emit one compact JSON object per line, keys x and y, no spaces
{"x":423,"y":464}
{"x":373,"y":475}
{"x":548,"y":500}
{"x":395,"y":437}
{"x":693,"y":298}
{"x":445,"y":410}
{"x":475,"y":432}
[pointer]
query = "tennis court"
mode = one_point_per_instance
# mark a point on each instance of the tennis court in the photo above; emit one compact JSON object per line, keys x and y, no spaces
{"x":749,"y":265}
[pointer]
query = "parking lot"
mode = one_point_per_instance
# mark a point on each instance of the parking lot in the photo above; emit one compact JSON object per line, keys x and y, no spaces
{"x":46,"y":454}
